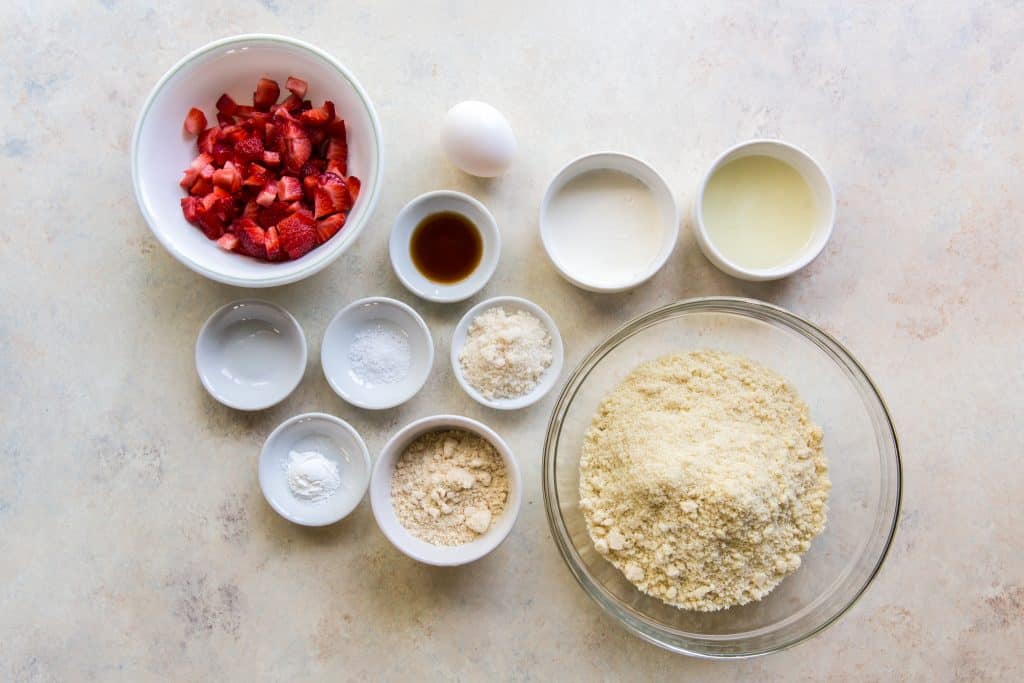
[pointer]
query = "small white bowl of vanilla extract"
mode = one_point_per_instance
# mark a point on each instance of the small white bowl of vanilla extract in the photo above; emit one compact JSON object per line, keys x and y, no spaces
{"x":444,"y":246}
{"x":765,"y":209}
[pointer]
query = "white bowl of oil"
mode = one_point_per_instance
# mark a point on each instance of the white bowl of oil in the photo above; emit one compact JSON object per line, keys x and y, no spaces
{"x":765,"y":209}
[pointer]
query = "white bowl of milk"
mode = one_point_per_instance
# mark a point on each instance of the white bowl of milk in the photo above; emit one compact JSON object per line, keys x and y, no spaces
{"x":764,"y":210}
{"x":608,"y":222}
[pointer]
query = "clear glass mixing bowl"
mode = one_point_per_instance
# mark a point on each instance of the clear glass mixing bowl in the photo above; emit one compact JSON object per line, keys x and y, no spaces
{"x":860,"y":444}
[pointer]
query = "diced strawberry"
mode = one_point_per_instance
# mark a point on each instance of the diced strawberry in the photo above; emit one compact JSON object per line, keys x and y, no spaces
{"x":244,"y":111}
{"x":306,"y":105}
{"x":272,"y":244}
{"x":328,"y":227}
{"x":289,"y":189}
{"x":338,"y":168}
{"x":226,"y":105}
{"x":222,"y":153}
{"x":202,"y":187}
{"x":271,"y":158}
{"x":251,"y":210}
{"x":273,"y":214}
{"x":234,"y":134}
{"x":313,"y":167}
{"x":251,"y":237}
{"x":224,"y":119}
{"x":250,"y":147}
{"x":292,"y":104}
{"x":189,"y":178}
{"x":267,"y":195}
{"x":331,"y":195}
{"x":228,"y":178}
{"x":318,"y":136}
{"x":309,"y":185}
{"x":206,"y":172}
{"x":298,"y":148}
{"x":267,"y":92}
{"x":228,"y":242}
{"x":315,"y":117}
{"x":296,"y":86}
{"x":258,"y":176}
{"x":297,"y":235}
{"x":298,"y":207}
{"x":210,"y":218}
{"x":190,"y":207}
{"x":353,"y":187}
{"x":208,"y":138}
{"x":200,"y":161}
{"x":328,"y":107}
{"x":195,"y":121}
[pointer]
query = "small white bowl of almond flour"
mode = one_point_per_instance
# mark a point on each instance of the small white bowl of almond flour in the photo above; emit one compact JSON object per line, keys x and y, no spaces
{"x":446,"y":490}
{"x":507,"y":353}
{"x":377,"y":353}
{"x":314,"y":469}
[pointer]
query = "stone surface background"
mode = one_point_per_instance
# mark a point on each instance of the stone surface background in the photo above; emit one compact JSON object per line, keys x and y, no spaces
{"x":134,"y":542}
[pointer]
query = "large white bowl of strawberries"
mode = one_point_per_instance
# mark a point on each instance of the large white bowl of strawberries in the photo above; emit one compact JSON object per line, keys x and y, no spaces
{"x":256,"y":160}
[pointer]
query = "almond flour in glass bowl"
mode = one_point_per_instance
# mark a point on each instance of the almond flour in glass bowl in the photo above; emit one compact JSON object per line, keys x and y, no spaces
{"x":859,"y":443}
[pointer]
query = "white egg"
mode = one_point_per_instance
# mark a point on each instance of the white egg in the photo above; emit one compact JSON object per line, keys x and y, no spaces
{"x":478,"y":139}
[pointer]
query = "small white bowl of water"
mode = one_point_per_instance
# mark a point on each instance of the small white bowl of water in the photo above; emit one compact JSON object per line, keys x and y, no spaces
{"x":765,"y":209}
{"x":251,"y":354}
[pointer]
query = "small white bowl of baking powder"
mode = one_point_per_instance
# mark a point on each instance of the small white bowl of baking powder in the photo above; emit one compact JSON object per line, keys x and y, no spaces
{"x":377,"y":353}
{"x":608,"y":222}
{"x":314,"y":469}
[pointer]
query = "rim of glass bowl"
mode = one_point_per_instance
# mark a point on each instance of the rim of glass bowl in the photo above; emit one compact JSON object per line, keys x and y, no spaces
{"x":634,"y":621}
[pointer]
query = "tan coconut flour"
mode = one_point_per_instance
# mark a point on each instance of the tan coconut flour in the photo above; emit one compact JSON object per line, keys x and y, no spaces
{"x":506,"y":353}
{"x":448,"y":487}
{"x":702,"y":479}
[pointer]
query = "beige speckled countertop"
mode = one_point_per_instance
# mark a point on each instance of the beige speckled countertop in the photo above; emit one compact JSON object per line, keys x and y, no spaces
{"x":134,"y":542}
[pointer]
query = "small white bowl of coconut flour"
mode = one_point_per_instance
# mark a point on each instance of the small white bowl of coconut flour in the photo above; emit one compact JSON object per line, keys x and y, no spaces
{"x":314,"y":469}
{"x":377,"y":353}
{"x":507,"y":353}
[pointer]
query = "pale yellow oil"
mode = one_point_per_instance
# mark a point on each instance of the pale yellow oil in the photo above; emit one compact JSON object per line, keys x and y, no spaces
{"x":759,"y":212}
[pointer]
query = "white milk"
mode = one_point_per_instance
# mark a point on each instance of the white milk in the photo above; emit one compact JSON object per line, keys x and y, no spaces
{"x":604,"y":227}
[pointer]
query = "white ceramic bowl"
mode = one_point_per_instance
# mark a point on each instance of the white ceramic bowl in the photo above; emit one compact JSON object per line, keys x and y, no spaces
{"x":435,"y":202}
{"x":251,"y":354}
{"x":820,"y":186}
{"x":384,"y":512}
{"x":663,"y":198}
{"x":336,"y":440}
{"x":338,"y":338}
{"x":547,"y":381}
{"x":161,"y":150}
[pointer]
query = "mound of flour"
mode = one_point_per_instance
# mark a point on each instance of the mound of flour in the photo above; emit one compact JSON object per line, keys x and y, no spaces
{"x":702,"y":479}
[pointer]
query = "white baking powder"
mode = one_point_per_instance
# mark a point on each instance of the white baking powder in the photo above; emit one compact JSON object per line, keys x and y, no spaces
{"x":312,"y":476}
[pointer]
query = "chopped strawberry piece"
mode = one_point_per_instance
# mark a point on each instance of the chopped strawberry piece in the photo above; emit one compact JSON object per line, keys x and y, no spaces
{"x":298,"y":207}
{"x":272,"y":244}
{"x":251,"y":238}
{"x":309,"y":185}
{"x":353,"y":187}
{"x":222,"y":153}
{"x":331,"y":195}
{"x":267,"y":92}
{"x":296,"y":86}
{"x":251,"y":210}
{"x":206,"y":172}
{"x":271,"y":158}
{"x":289,"y":188}
{"x":292,"y":104}
{"x":315,"y":117}
{"x":224,"y":119}
{"x":338,"y":168}
{"x":244,"y":111}
{"x":228,"y":178}
{"x":328,"y":227}
{"x":298,"y":147}
{"x":208,"y":138}
{"x":195,"y":121}
{"x":250,"y":147}
{"x":306,"y":105}
{"x":228,"y":242}
{"x":329,"y":108}
{"x":189,"y":178}
{"x":273,"y":214}
{"x":226,"y":105}
{"x":297,"y":235}
{"x":267,"y":195}
{"x":200,"y":161}
{"x":258,"y":177}
{"x":313,"y":167}
{"x":202,"y":187}
{"x":190,"y":207}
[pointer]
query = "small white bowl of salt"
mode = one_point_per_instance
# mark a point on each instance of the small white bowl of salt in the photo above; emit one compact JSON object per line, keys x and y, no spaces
{"x":314,"y":469}
{"x":377,"y":353}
